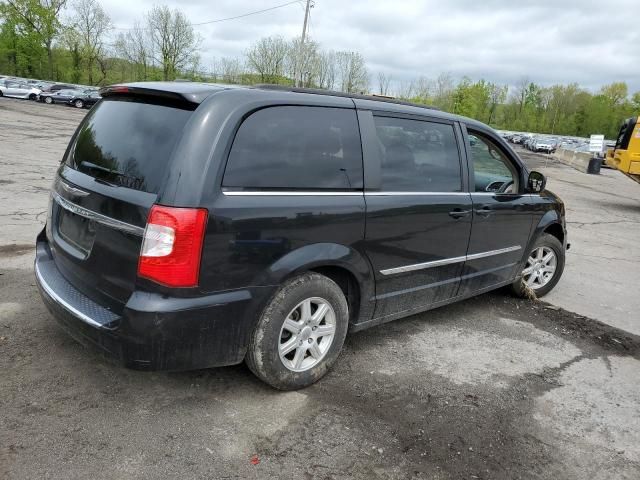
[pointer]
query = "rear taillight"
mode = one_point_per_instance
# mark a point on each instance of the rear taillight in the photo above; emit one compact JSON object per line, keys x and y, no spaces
{"x":172,"y":246}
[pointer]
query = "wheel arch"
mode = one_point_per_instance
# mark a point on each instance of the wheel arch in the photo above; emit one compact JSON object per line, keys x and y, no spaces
{"x":347,"y":267}
{"x":551,"y":223}
{"x":556,"y":230}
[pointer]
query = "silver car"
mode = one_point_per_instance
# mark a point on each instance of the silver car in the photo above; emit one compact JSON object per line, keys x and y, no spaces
{"x":13,"y":89}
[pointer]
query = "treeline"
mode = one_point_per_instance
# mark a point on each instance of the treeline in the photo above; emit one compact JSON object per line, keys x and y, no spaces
{"x":76,"y":42}
{"x":558,"y":109}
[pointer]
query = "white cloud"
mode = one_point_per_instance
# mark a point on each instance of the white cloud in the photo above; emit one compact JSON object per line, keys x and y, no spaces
{"x":553,"y":41}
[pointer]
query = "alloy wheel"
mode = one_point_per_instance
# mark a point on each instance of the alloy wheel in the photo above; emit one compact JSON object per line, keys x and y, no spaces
{"x":540,"y":268}
{"x":307,"y":334}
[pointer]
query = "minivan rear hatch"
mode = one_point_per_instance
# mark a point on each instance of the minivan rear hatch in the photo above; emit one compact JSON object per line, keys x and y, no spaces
{"x":111,"y":175}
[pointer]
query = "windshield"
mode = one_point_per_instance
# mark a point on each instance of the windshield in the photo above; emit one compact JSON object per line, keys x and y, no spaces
{"x":128,"y":142}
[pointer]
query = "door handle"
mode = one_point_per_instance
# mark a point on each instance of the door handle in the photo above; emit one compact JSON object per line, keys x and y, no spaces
{"x":484,"y":211}
{"x":459,"y":213}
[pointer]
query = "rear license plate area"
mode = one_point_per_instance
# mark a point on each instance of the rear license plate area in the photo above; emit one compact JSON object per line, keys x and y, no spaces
{"x":77,"y":231}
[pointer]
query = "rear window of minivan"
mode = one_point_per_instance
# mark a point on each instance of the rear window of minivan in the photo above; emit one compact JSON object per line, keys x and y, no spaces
{"x":128,"y":142}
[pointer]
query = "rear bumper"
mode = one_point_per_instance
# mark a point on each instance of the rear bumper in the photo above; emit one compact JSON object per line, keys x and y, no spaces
{"x":154,"y":332}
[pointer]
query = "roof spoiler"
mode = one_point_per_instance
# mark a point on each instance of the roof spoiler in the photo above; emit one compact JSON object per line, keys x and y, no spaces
{"x":114,"y":90}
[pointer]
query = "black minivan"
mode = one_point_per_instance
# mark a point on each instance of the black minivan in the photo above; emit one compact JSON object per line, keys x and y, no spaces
{"x":194,"y":225}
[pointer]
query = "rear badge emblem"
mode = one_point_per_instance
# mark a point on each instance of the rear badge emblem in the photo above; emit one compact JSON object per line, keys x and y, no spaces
{"x":72,"y":190}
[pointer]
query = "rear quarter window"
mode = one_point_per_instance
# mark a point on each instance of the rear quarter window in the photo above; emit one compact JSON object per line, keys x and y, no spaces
{"x":295,"y":147}
{"x":128,"y":142}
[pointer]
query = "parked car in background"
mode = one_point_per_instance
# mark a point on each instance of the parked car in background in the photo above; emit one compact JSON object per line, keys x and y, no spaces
{"x":14,"y":89}
{"x":43,"y":85}
{"x":543,"y":145}
{"x":528,"y":143}
{"x":59,"y":86}
{"x":60,"y":96}
{"x":86,"y":99}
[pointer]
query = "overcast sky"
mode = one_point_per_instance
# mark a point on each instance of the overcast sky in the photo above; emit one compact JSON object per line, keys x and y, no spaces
{"x":548,"y":41}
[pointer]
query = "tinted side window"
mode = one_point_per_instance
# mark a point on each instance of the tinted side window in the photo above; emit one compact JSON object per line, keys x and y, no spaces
{"x":418,"y":156}
{"x":296,"y":147}
{"x":493,"y":171}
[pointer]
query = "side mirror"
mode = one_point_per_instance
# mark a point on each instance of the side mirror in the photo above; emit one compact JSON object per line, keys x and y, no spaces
{"x":536,"y":182}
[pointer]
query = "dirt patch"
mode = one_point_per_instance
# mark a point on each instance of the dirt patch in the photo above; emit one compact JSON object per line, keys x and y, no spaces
{"x":577,"y":328}
{"x":15,"y":249}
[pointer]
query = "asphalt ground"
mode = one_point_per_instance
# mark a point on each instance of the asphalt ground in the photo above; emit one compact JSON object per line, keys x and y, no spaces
{"x":493,"y":387}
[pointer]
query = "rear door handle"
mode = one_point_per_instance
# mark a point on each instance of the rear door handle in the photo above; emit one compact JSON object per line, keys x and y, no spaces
{"x":484,"y":211}
{"x":459,"y":213}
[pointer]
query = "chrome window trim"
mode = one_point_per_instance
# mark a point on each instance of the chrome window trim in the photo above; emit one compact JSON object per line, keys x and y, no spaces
{"x":307,"y":193}
{"x":448,"y":261}
{"x":288,"y":193}
{"x":97,"y":217}
{"x":45,"y":286}
{"x":496,"y":193}
{"x":385,"y":194}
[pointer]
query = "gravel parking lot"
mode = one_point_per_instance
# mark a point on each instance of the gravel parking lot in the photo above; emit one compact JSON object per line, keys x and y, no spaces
{"x":493,"y":387}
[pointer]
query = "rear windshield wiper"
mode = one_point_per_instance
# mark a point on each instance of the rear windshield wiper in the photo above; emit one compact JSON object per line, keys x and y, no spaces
{"x":93,"y":166}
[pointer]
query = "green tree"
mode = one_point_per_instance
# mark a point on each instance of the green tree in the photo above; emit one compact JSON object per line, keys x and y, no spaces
{"x":38,"y":22}
{"x":90,"y":25}
{"x":173,"y":39}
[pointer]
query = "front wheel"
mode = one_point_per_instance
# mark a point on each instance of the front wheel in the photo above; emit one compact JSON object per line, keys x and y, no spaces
{"x":300,"y":333}
{"x":79,"y":104}
{"x":32,"y":96}
{"x":543,"y":268}
{"x":48,"y":100}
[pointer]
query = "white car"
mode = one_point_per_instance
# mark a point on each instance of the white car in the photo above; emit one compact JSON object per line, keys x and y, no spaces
{"x":543,"y":145}
{"x":13,"y":89}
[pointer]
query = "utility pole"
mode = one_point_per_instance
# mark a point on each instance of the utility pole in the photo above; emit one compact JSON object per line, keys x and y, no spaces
{"x":302,"y":38}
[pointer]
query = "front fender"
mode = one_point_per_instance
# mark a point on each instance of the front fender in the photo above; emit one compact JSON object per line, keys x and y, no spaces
{"x":550,"y":217}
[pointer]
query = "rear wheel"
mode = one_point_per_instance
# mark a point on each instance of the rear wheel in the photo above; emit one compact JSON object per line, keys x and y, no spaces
{"x":300,"y":333}
{"x":48,"y":100}
{"x":543,"y":268}
{"x":79,"y":104}
{"x":1,"y":94}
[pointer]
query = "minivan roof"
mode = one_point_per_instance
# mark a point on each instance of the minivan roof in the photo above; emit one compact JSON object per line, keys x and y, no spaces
{"x":197,"y":92}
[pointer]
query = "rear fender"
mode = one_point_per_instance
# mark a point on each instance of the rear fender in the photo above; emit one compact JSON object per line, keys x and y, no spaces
{"x":319,"y":255}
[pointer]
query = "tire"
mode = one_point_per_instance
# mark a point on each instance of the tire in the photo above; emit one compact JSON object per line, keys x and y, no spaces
{"x":32,"y":97}
{"x":545,"y":243}
{"x":1,"y":94}
{"x":78,"y":104}
{"x":265,"y":354}
{"x":48,"y":100}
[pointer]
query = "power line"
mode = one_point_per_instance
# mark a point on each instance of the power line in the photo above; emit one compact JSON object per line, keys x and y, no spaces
{"x":247,"y":14}
{"x":256,"y":12}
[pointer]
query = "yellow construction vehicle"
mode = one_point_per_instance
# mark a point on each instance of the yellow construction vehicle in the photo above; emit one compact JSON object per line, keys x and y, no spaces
{"x":625,"y":156}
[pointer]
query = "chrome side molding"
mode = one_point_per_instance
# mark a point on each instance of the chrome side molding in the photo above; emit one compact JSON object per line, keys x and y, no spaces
{"x":448,"y":261}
